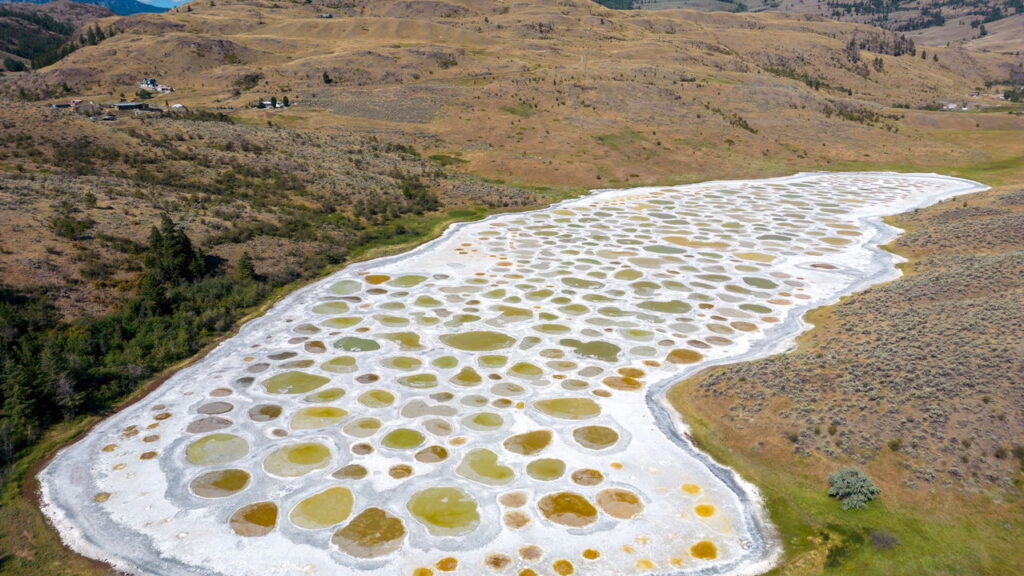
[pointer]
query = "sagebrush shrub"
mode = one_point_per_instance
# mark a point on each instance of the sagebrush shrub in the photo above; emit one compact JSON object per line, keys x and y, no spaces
{"x":852,"y":487}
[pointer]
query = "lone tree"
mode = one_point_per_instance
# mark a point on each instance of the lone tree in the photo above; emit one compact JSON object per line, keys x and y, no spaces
{"x":246,"y":267}
{"x":852,"y":487}
{"x":171,"y":259}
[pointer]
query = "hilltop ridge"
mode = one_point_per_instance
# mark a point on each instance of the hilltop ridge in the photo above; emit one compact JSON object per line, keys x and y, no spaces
{"x":521,"y":88}
{"x":996,"y":25}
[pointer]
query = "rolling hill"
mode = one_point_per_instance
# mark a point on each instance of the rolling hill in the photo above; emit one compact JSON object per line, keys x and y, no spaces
{"x":983,"y":24}
{"x":522,"y":87}
{"x":37,"y":32}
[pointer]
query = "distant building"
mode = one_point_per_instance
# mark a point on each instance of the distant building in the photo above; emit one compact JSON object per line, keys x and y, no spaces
{"x":68,"y":104}
{"x":125,"y":106}
{"x":327,"y":15}
{"x":152,"y":85}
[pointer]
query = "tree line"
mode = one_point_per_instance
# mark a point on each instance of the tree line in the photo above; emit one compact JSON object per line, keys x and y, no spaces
{"x":53,"y":370}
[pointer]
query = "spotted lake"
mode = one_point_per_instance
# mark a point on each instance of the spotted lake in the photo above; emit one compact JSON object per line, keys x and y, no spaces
{"x":490,"y":402}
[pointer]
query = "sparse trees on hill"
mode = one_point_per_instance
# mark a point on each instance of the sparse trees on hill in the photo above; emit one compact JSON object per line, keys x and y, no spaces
{"x":13,"y":65}
{"x":93,"y":36}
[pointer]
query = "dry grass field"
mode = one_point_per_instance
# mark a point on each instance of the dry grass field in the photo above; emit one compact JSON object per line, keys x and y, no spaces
{"x":929,"y":22}
{"x":920,"y":382}
{"x":80,"y":197}
{"x":569,"y":93}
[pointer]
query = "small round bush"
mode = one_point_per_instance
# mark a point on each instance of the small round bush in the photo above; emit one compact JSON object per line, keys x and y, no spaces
{"x":852,"y":487}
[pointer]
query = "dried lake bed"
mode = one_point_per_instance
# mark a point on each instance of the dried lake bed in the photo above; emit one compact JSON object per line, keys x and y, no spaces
{"x":490,"y":402}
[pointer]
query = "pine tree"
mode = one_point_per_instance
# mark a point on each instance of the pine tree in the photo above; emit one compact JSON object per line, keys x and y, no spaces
{"x":19,"y":401}
{"x":246,"y":267}
{"x":171,"y":259}
{"x":152,"y":296}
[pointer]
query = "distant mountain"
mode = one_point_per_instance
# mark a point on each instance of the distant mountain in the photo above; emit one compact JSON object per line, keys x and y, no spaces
{"x":166,"y":4}
{"x":122,"y":7}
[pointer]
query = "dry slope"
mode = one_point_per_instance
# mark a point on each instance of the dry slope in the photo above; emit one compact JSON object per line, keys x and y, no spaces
{"x":556,"y":93}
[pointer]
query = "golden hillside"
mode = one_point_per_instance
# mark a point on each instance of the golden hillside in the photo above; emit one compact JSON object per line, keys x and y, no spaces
{"x":556,"y":94}
{"x":928,"y":22}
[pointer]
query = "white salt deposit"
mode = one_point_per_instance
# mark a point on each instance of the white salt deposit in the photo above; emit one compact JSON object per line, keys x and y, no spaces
{"x":403,"y":375}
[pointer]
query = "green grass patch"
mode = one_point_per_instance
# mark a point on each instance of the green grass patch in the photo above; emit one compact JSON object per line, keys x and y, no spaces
{"x":616,"y":140}
{"x":521,"y":109}
{"x":998,"y":159}
{"x":445,"y":160}
{"x":993,"y":172}
{"x":885,"y":539}
{"x":1004,"y":109}
{"x":27,"y":544}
